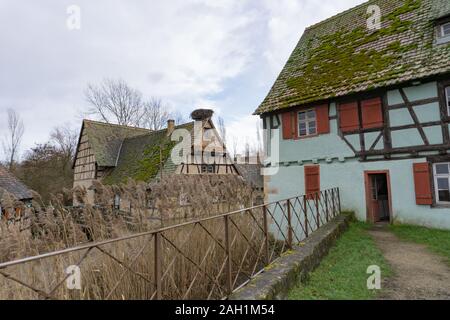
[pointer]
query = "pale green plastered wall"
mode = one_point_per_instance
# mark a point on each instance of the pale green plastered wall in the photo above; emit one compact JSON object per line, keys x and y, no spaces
{"x":400,"y":117}
{"x":321,"y":147}
{"x":349,"y":177}
{"x":425,"y":113}
{"x":347,"y":172}
{"x":405,"y":138}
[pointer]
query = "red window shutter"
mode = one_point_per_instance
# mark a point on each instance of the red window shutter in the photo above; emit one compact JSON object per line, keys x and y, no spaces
{"x":372,"y":114}
{"x":323,"y":119}
{"x":312,"y":181}
{"x":348,"y":116}
{"x":294,"y":120}
{"x":287,"y":125}
{"x":290,"y":125}
{"x":422,"y":184}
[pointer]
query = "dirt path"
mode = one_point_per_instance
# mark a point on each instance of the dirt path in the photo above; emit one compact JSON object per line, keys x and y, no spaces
{"x":419,"y":274}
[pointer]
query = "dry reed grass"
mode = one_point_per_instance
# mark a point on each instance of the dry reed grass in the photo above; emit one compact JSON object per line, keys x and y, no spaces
{"x":193,"y":256}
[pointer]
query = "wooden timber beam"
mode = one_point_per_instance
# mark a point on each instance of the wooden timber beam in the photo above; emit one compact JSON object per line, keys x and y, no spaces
{"x":414,"y":117}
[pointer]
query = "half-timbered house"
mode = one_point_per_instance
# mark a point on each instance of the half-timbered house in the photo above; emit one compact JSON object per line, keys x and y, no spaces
{"x":112,"y":154}
{"x":367,"y":109}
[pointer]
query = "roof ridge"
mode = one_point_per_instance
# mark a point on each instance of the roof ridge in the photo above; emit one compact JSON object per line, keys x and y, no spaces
{"x":116,"y":125}
{"x":338,"y":15}
{"x":158,"y":131}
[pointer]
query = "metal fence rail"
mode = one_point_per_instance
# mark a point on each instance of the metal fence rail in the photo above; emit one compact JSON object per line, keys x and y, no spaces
{"x":208,"y":258}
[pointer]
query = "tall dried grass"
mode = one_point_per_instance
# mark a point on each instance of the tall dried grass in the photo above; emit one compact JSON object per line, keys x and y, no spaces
{"x":193,"y":256}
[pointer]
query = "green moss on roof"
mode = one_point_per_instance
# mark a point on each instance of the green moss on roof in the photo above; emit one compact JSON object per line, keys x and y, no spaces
{"x":341,"y":55}
{"x":106,"y":139}
{"x":140,"y":157}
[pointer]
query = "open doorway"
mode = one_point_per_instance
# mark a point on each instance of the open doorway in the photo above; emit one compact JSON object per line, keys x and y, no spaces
{"x":378,"y":196}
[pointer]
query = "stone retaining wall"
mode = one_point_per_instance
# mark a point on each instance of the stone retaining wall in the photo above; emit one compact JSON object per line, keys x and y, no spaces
{"x":290,"y":270}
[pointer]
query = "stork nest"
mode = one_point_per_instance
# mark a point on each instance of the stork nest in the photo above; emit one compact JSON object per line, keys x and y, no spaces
{"x":202,"y":114}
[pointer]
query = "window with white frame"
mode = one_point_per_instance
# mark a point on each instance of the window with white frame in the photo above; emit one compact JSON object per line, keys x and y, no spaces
{"x":307,"y":123}
{"x":447,"y":99}
{"x":442,"y":182}
{"x":445,"y":30}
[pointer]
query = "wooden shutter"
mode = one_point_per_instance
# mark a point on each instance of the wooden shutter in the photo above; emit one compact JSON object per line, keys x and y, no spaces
{"x":287,"y":125}
{"x":312,"y":181}
{"x":290,"y":125}
{"x":372,"y":113}
{"x":294,"y":120}
{"x":422,"y":184}
{"x":323,"y":119}
{"x":348,"y":116}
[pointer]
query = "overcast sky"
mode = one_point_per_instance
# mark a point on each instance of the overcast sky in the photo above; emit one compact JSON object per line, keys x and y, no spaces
{"x":223,"y":54}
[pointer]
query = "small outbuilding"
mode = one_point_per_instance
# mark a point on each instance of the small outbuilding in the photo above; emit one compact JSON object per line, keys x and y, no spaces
{"x":11,"y":187}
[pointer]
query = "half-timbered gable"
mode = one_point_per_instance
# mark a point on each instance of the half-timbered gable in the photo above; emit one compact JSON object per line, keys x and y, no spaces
{"x":369,"y":110}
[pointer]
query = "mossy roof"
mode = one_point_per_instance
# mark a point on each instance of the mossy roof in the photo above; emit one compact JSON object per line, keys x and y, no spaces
{"x":139,"y":156}
{"x":341,"y":56}
{"x":105,"y":139}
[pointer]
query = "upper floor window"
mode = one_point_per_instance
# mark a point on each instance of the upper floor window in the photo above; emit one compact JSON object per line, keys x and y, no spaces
{"x":442,"y":182}
{"x":443,"y":33}
{"x":307,"y":123}
{"x":445,"y":30}
{"x":447,"y":99}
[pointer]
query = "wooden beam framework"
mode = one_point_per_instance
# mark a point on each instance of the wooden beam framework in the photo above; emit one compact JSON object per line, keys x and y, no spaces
{"x":385,"y":132}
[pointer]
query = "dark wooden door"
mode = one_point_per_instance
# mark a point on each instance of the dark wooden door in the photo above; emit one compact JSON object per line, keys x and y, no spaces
{"x":374,"y":205}
{"x":378,"y":198}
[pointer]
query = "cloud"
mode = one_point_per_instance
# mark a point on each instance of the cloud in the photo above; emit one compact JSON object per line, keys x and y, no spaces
{"x":220,"y":53}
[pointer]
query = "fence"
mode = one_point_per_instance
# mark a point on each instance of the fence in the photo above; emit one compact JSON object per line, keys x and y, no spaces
{"x":208,"y":258}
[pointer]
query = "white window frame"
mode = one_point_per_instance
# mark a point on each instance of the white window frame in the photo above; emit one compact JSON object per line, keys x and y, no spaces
{"x":306,"y":122}
{"x":436,"y":176}
{"x":447,"y":99}
{"x":441,"y":29}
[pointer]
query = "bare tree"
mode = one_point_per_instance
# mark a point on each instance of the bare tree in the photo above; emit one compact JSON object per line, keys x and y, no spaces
{"x":222,"y":129}
{"x":234,"y":146}
{"x":156,"y":114}
{"x":65,"y":141}
{"x":13,"y":139}
{"x":259,"y":138}
{"x":115,"y":101}
{"x":178,"y":117}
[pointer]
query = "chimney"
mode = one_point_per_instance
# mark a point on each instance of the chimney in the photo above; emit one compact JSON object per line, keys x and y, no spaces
{"x":170,"y":126}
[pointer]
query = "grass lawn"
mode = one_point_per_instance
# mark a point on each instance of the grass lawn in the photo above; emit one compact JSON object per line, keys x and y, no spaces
{"x":437,"y":241}
{"x":342,"y":274}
